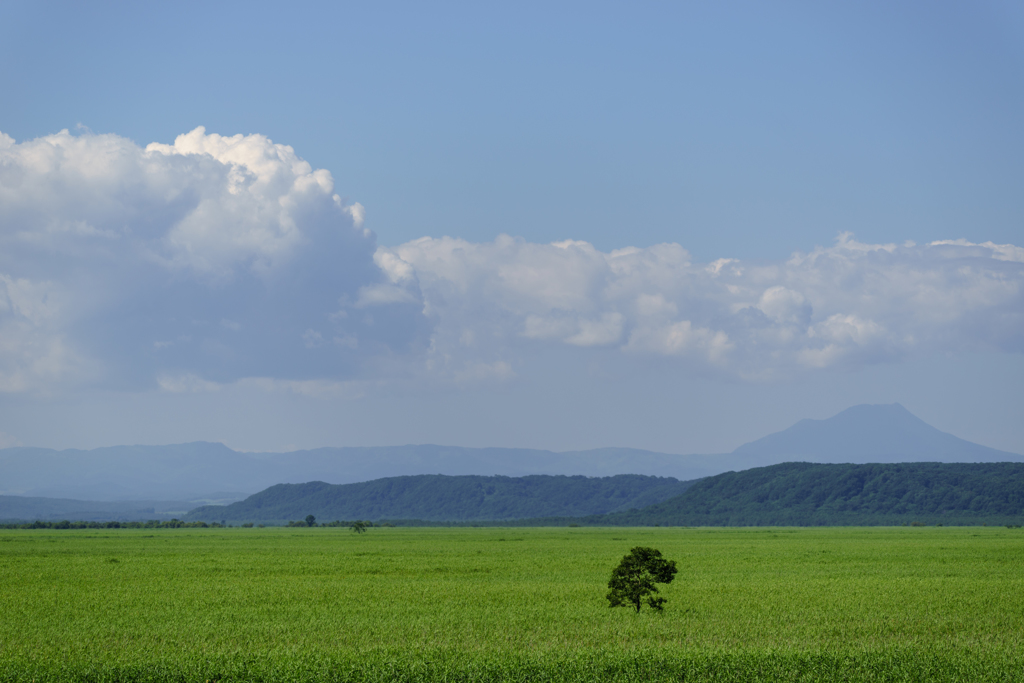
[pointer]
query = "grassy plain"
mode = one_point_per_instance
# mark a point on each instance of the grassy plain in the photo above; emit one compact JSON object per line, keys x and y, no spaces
{"x":872,"y":604}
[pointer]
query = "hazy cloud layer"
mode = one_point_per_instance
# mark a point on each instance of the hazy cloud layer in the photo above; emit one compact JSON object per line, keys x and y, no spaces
{"x":229,"y":259}
{"x":850,"y":303}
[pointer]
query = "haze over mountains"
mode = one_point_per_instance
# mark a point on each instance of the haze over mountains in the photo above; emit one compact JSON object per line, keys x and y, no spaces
{"x":28,"y":508}
{"x":211,"y":472}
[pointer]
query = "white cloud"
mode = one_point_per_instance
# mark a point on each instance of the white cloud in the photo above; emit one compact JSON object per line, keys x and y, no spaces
{"x":222,"y":261}
{"x":34,"y":349}
{"x":210,"y":258}
{"x":188,"y":383}
{"x":681,"y":338}
{"x":848,"y":304}
{"x":784,"y":305}
{"x":477,"y":372}
{"x":383,"y":293}
{"x":1003,"y":252}
{"x":600,"y":332}
{"x":311,"y":388}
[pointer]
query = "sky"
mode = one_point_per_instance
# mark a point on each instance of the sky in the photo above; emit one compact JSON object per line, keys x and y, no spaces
{"x":675,"y":226}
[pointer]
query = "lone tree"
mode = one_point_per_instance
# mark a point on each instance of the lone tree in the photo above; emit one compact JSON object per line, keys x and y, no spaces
{"x":358,"y":527}
{"x":633,"y":580}
{"x":310,"y":520}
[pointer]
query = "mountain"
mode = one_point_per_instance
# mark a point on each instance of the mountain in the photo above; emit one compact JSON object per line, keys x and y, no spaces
{"x":787,"y":494}
{"x":868,"y":433}
{"x":189,"y":471}
{"x":808,"y":494}
{"x":447,"y":498}
{"x":355,"y":464}
{"x":124,"y":473}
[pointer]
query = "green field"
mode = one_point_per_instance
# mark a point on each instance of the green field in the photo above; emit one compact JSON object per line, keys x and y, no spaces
{"x":320,"y":604}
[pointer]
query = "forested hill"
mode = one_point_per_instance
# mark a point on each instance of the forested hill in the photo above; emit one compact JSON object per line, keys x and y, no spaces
{"x":448,"y":498}
{"x":805,"y":494}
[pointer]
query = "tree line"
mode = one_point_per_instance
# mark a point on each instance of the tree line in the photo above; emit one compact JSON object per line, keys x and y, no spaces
{"x":357,"y":525}
{"x":148,"y":524}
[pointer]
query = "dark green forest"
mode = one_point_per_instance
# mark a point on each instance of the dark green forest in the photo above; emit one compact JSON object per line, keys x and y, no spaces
{"x":112,"y":524}
{"x":789,"y":494}
{"x":805,"y":494}
{"x":448,"y":498}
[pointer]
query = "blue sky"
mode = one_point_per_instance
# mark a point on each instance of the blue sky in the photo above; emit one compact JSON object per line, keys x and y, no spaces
{"x":223,"y":288}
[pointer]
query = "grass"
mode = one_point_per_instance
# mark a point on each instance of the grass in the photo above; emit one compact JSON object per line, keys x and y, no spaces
{"x":276,"y":604}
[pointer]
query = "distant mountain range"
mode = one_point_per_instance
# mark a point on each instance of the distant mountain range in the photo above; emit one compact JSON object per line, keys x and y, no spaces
{"x":788,"y":494}
{"x":192,"y":471}
{"x":443,"y":498}
{"x":213,"y":472}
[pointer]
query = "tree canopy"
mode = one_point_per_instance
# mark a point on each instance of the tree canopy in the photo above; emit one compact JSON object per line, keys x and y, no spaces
{"x":632,"y":582}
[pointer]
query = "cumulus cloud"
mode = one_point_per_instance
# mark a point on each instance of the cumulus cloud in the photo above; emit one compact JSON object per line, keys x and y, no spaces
{"x":848,"y":304}
{"x":216,"y":260}
{"x":208,"y":260}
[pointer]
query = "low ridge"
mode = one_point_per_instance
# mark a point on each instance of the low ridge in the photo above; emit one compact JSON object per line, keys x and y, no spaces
{"x":447,"y":498}
{"x":861,"y":434}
